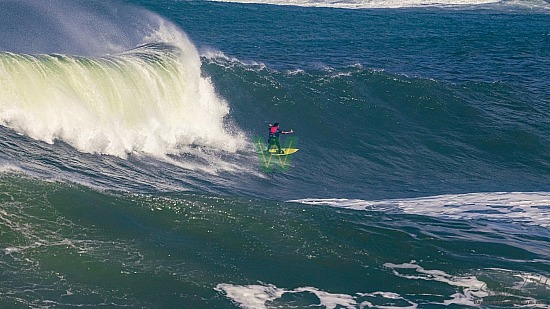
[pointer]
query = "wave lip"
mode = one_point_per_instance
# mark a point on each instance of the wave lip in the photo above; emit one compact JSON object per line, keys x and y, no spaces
{"x":151,"y":99}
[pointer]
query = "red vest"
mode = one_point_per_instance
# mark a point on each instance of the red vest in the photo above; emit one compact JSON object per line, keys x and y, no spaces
{"x":273,"y":130}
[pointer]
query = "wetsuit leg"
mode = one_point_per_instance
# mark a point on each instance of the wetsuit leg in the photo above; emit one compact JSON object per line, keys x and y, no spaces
{"x":270,"y":143}
{"x":278,"y":146}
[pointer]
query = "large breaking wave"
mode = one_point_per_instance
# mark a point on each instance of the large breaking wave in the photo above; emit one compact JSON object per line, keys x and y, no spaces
{"x":150,"y":98}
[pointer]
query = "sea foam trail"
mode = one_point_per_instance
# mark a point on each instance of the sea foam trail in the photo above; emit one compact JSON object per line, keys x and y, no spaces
{"x":150,"y":99}
{"x":520,"y":288}
{"x":379,"y":4}
{"x":531,"y":208}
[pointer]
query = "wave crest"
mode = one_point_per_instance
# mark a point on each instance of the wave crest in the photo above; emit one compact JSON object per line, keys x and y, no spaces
{"x":151,"y":99}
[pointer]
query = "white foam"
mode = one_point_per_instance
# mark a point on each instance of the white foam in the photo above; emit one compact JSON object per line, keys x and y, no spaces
{"x":526,"y":207}
{"x":469,"y":291}
{"x":525,"y":278}
{"x":251,"y":296}
{"x":256,"y":297}
{"x":473,"y":288}
{"x":473,"y":291}
{"x":377,"y":4}
{"x":152,"y":100}
{"x":9,"y":168}
{"x":10,"y":250}
{"x":385,"y":295}
{"x":330,"y":300}
{"x":227,"y":61}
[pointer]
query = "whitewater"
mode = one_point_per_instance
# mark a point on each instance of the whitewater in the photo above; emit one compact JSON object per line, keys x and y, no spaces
{"x":150,"y":99}
{"x":380,"y":4}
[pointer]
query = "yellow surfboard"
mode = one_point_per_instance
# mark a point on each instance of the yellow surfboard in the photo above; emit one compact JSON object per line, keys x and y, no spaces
{"x":286,"y":151}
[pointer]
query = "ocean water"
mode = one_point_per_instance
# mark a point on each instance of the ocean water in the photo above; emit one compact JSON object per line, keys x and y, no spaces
{"x":129,"y":175}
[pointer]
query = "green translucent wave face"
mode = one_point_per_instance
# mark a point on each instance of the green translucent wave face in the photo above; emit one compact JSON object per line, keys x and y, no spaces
{"x":150,"y":99}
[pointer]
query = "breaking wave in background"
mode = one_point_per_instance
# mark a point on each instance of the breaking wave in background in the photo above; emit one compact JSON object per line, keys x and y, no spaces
{"x":383,"y":4}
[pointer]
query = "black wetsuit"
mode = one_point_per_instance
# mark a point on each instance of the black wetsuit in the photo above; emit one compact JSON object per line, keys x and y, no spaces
{"x":273,"y":139}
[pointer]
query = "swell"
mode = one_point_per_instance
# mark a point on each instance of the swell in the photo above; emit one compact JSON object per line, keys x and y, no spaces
{"x":388,"y":132}
{"x":363,"y":133}
{"x":68,"y":245}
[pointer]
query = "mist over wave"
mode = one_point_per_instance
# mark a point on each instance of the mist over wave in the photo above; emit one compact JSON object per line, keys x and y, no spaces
{"x":90,"y":28}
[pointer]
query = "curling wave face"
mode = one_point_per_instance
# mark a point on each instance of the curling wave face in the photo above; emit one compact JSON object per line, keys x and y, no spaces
{"x":151,"y":99}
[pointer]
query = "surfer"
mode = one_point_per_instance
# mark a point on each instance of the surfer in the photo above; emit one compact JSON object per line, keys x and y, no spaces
{"x":273,"y":139}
